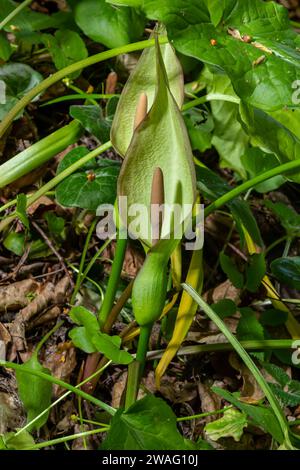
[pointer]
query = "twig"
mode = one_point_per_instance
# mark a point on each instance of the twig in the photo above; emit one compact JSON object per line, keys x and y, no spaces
{"x":54,"y":250}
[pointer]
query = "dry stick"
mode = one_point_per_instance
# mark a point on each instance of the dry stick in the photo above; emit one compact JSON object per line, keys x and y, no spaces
{"x":54,"y":250}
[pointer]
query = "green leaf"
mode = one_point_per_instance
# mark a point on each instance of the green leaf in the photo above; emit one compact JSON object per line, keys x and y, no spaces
{"x":21,"y":210}
{"x":110,"y":347}
{"x":56,"y":225}
{"x":262,"y":416}
{"x":27,"y":19}
{"x":216,"y":10}
{"x":20,"y":442}
{"x":149,"y":424}
{"x":92,"y":119}
{"x":82,"y":316}
{"x":82,"y":339}
{"x":232,"y":424}
{"x":287,"y":270}
{"x":288,"y":217}
{"x":255,"y":162}
{"x":287,"y":390}
{"x":255,"y":271}
{"x":264,"y":83}
{"x":111,"y":26}
{"x":16,"y":80}
{"x":34,"y":393}
{"x":5,"y":47}
{"x":271,"y":136}
{"x":15,"y":242}
{"x":78,"y":190}
{"x":170,"y":151}
{"x":231,"y":271}
{"x":65,"y":47}
{"x":90,"y":339}
{"x":200,"y":125}
{"x":224,"y":308}
{"x":143,"y":79}
{"x":229,"y":138}
{"x":249,"y":327}
{"x":273,"y":317}
{"x":213,"y":186}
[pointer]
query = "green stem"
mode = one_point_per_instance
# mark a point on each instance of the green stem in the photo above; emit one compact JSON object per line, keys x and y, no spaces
{"x":210,"y":97}
{"x":114,"y":278}
{"x":57,"y":179}
{"x":204,"y":415}
{"x":275,"y":405}
{"x":14,"y":13}
{"x":39,"y":153}
{"x":80,"y":96}
{"x":60,"y":440}
{"x":235,"y":192}
{"x":61,"y":383}
{"x":287,"y":247}
{"x":94,"y":59}
{"x":257,"y":345}
{"x":82,"y":261}
{"x":136,"y":368}
{"x":275,"y":243}
{"x":46,"y":337}
{"x":295,"y":24}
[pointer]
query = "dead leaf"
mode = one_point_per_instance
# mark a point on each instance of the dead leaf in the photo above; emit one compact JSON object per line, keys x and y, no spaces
{"x":250,"y":391}
{"x":209,"y":400}
{"x":17,"y":295}
{"x":226,"y":290}
{"x":61,"y":360}
{"x":42,"y":201}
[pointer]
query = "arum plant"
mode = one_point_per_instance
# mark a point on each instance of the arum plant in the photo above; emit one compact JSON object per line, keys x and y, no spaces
{"x":157,"y":172}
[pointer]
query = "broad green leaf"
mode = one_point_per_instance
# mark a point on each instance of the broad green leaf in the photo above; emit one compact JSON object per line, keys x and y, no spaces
{"x":170,"y":151}
{"x":230,"y":269}
{"x":82,"y":339}
{"x":213,"y":186}
{"x":255,"y":162}
{"x":278,"y":373}
{"x":271,"y":136}
{"x":93,"y":185}
{"x":5,"y":47}
{"x":229,"y":138}
{"x":287,"y":270}
{"x":21,"y":210}
{"x":143,"y":79}
{"x":92,"y":119}
{"x":89,"y":338}
{"x":289,"y":218}
{"x":14,"y":242}
{"x":109,"y":25}
{"x":149,"y":424}
{"x":224,"y":308}
{"x":16,"y":80}
{"x":232,"y":424}
{"x":82,"y":316}
{"x":200,"y":125}
{"x":254,"y":45}
{"x":255,"y":271}
{"x":249,"y":328}
{"x":65,"y":47}
{"x":34,"y":393}
{"x":273,"y":317}
{"x":110,"y":347}
{"x":287,"y":390}
{"x":261,"y":415}
{"x":27,"y":19}
{"x":216,"y":10}
{"x":20,"y":442}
